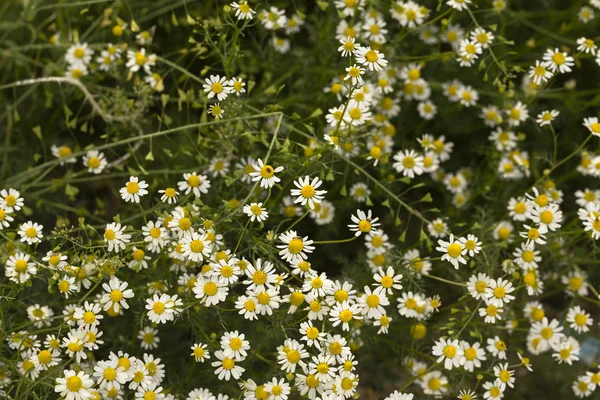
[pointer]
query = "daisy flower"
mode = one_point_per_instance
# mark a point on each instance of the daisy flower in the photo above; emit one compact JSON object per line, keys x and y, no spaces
{"x":137,"y":60}
{"x":409,"y":163}
{"x":306,"y":191}
{"x":453,"y":250}
{"x":226,"y":367}
{"x":210,"y":291}
{"x":372,"y":59}
{"x":115,"y":237}
{"x":200,"y":352}
{"x":449,"y":352}
{"x":242,"y":10}
{"x":116,"y":295}
{"x":196,"y":246}
{"x":95,"y":161}
{"x":295,"y":247}
{"x":30,"y":232}
{"x":265,"y":174}
{"x":133,"y":190}
{"x":256,"y":212}
{"x":163,"y":308}
{"x":546,"y":117}
{"x":217,"y":86}
{"x":363,"y":223}
{"x":74,"y":385}
{"x":459,"y":4}
{"x":168,"y":195}
{"x":558,"y":61}
{"x":387,"y":280}
{"x":498,"y":292}
{"x":343,"y":313}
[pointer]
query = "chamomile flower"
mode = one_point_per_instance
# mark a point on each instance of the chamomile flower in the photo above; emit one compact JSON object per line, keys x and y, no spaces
{"x":242,"y":10}
{"x":541,"y":72}
{"x":295,"y":247}
{"x":459,"y":4}
{"x":409,"y":163}
{"x":210,"y":291}
{"x":79,"y":53}
{"x":139,"y":59}
{"x":217,"y":86}
{"x":354,"y":75}
{"x":196,"y":247}
{"x":235,"y":345}
{"x":74,"y":385}
{"x":549,"y":332}
{"x":453,"y":251}
{"x":593,"y":125}
{"x":372,"y":59}
{"x":256,"y":212}
{"x":498,"y":292}
{"x":30,"y":232}
{"x":363,"y":223}
{"x":226,"y":367}
{"x":567,"y":351}
{"x":344,"y":313}
{"x":95,"y":161}
{"x":387,"y":280}
{"x":348,"y":46}
{"x":449,"y":352}
{"x":265,"y":174}
{"x":546,"y":117}
{"x":115,"y":295}
{"x":474,"y":355}
{"x":115,"y":237}
{"x":587,"y":46}
{"x":133,"y":190}
{"x":200,"y":352}
{"x":471,"y":244}
{"x":163,"y":308}
{"x":193,"y":183}
{"x":558,"y":61}
{"x":549,"y":216}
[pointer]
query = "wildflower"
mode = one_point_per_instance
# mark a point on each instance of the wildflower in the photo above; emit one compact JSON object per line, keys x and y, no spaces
{"x":133,"y":190}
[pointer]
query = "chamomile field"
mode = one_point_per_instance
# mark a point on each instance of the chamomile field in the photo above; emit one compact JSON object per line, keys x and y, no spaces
{"x":299,"y":199}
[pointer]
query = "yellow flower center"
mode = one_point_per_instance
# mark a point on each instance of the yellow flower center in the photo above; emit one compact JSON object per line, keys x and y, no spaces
{"x":132,"y":187}
{"x":210,"y":288}
{"x":73,"y":383}
{"x":454,"y":250}
{"x":295,"y":246}
{"x":449,"y":351}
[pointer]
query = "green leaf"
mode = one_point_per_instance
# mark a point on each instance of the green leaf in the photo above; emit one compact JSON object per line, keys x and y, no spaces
{"x":149,"y":156}
{"x":71,"y":191}
{"x":368,"y":202}
{"x":295,"y":116}
{"x":323,"y":5}
{"x":316,"y":113}
{"x":38,"y":131}
{"x":344,"y":191}
{"x":426,"y":199}
{"x":164,"y":99}
{"x":117,"y":218}
{"x":402,"y":238}
{"x":398,"y":222}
